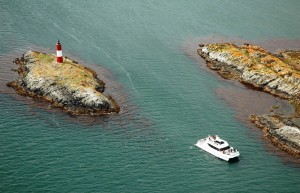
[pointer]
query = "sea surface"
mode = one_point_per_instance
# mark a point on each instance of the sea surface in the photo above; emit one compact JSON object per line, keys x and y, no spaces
{"x":145,"y":52}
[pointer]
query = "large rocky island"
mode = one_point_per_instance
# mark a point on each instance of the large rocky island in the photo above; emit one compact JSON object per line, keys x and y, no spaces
{"x":68,"y":85}
{"x":277,"y":74}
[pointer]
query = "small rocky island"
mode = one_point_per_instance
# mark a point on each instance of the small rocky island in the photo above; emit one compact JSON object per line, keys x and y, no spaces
{"x":277,"y":74}
{"x":68,"y":85}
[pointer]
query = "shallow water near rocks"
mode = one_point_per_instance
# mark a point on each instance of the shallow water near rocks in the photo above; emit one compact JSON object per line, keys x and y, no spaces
{"x":169,"y":100}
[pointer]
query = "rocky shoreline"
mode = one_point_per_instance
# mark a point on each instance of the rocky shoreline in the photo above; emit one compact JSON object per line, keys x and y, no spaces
{"x":68,"y":85}
{"x":282,"y":132}
{"x":276,"y":74}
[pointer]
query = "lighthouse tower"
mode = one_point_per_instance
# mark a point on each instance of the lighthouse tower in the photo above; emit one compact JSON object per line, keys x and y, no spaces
{"x":59,"y":58}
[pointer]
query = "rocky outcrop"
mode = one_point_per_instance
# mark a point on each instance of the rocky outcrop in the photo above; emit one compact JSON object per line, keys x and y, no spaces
{"x":68,"y":85}
{"x":282,"y":132}
{"x":255,"y":66}
{"x":276,"y":74}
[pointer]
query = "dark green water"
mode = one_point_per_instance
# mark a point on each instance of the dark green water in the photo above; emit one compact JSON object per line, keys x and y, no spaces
{"x":168,"y":99}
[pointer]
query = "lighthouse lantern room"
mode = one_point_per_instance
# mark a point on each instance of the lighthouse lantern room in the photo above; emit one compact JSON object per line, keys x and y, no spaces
{"x":59,"y":58}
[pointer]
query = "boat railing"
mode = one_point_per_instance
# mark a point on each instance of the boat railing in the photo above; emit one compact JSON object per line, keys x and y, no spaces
{"x":230,"y":151}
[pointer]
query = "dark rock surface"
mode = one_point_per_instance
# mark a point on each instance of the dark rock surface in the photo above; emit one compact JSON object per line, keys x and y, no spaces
{"x":277,"y":74}
{"x":70,"y":86}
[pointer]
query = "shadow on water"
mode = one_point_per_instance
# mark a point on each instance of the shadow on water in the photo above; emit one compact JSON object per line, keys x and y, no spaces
{"x":233,"y":160}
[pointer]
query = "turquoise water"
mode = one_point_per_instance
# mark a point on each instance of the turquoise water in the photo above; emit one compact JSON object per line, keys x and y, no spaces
{"x":168,"y":99}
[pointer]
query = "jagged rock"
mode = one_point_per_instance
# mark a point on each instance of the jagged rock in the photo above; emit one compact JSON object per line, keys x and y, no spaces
{"x":277,"y":74}
{"x":69,"y":85}
{"x":255,"y":66}
{"x":281,"y":132}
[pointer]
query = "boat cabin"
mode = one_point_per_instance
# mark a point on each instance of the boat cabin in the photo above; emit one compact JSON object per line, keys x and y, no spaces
{"x":218,"y":144}
{"x":218,"y":147}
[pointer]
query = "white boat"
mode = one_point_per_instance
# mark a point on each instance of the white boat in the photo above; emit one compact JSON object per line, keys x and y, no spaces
{"x":218,"y":147}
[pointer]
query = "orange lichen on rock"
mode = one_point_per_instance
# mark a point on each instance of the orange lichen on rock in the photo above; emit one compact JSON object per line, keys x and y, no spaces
{"x":68,"y":85}
{"x":68,"y":72}
{"x":277,"y":74}
{"x":274,"y":73}
{"x":291,"y":57}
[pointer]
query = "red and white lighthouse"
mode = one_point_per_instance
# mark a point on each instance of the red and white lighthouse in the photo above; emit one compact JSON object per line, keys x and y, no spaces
{"x":59,"y":58}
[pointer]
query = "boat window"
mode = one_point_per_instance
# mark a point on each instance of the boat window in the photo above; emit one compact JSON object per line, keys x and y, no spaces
{"x":225,"y":148}
{"x":220,"y":142}
{"x":213,"y":147}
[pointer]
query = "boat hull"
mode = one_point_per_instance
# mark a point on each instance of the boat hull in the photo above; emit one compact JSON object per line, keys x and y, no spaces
{"x":230,"y":157}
